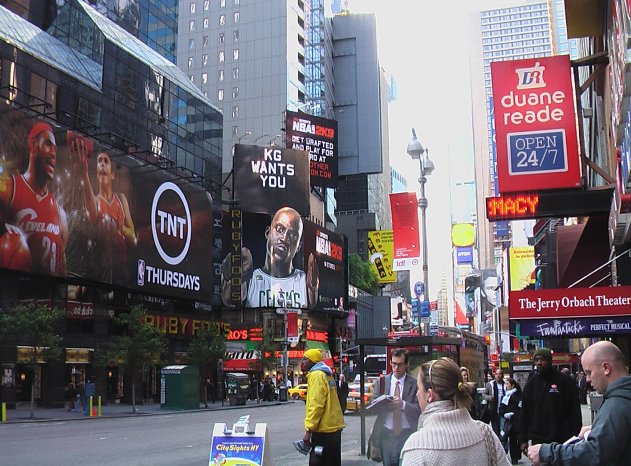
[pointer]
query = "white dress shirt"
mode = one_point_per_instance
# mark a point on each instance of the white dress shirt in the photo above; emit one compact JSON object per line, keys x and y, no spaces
{"x":389,"y":416}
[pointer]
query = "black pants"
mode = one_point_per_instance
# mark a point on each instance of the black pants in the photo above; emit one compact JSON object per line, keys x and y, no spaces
{"x":331,"y":444}
{"x":391,"y":445}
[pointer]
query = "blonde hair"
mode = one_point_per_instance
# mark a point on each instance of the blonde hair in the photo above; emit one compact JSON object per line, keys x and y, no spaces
{"x":443,"y":376}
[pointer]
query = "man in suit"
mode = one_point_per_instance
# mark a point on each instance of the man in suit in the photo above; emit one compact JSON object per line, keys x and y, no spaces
{"x":398,"y":418}
{"x":342,"y":391}
{"x":493,"y":393}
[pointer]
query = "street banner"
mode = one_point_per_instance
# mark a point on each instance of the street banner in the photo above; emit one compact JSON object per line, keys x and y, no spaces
{"x":535,"y":124}
{"x":381,"y":255}
{"x":318,"y":136}
{"x":522,"y":269}
{"x":575,"y":327}
{"x":268,"y":178}
{"x":405,"y":226}
{"x":559,"y":303}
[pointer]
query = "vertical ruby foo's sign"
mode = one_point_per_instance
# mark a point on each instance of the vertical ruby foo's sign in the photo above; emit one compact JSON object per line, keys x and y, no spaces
{"x":535,"y":124}
{"x":570,"y":302}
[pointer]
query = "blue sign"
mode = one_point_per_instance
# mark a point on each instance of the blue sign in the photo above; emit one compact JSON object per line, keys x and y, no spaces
{"x":419,"y":288}
{"x":537,"y":152}
{"x":415,"y":310}
{"x":246,"y":451}
{"x":502,"y":228}
{"x":588,"y":326}
{"x":464,"y":255}
{"x":425,"y":309}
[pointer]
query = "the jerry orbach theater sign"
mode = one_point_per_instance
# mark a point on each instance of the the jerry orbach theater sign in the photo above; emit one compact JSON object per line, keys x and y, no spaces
{"x":570,"y":302}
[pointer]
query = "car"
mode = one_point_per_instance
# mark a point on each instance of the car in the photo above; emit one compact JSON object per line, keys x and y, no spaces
{"x":299,"y":392}
{"x":353,"y":402}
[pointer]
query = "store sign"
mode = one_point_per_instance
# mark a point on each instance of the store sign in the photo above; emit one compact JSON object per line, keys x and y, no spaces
{"x":404,"y":209}
{"x":180,"y":325}
{"x":464,"y":255}
{"x":575,"y":327}
{"x":570,"y":302}
{"x":381,"y":255}
{"x":535,"y":124}
{"x":317,"y":335}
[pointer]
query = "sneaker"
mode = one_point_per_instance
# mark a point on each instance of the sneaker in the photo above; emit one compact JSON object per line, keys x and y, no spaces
{"x":301,"y":447}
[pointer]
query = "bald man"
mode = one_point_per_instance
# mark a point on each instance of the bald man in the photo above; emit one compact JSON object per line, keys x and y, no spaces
{"x":606,"y":441}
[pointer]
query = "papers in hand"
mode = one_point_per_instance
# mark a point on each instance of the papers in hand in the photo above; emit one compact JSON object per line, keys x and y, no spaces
{"x":571,"y":440}
{"x":379,"y":401}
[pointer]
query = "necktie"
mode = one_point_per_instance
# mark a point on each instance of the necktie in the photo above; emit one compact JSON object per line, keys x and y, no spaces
{"x":396,"y":419}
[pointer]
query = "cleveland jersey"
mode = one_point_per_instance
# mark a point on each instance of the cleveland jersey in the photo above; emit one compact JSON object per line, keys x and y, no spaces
{"x":108,"y":248}
{"x":267,"y":291}
{"x":39,"y":219}
{"x":111,"y":211}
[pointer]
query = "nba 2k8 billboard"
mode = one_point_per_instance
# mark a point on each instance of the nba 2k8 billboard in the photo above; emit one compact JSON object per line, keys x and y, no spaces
{"x":71,"y":207}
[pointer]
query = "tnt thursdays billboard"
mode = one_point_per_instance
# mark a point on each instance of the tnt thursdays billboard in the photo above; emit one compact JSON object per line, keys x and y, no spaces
{"x":535,"y":124}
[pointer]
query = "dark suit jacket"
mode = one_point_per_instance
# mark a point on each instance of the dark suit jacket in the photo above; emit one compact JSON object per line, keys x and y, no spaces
{"x":342,"y":392}
{"x":412,"y":410}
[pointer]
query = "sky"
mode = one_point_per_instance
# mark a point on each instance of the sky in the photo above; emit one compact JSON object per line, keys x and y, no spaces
{"x":425,"y":49}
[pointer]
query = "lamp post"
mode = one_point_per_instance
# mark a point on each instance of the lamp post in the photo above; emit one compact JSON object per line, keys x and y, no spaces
{"x":261,"y":137}
{"x":417,"y":151}
{"x":271,"y":142}
{"x":247,"y":133}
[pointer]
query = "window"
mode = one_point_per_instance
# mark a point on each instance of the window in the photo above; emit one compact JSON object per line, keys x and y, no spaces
{"x":205,"y":59}
{"x":193,"y":7}
{"x":235,"y":92}
{"x":190,"y":62}
{"x":235,"y":73}
{"x":222,"y":20}
{"x":235,"y":36}
{"x":220,"y":75}
{"x":220,"y":95}
{"x":235,"y":131}
{"x":205,"y":41}
{"x":235,"y":17}
{"x":222,"y":56}
{"x":206,"y":5}
{"x":191,"y":78}
{"x":205,"y":23}
{"x":222,"y":38}
{"x":222,"y":3}
{"x":235,"y":54}
{"x":191,"y":25}
{"x":191,"y":44}
{"x":235,"y":111}
{"x":205,"y":93}
{"x":236,"y":2}
{"x":204,"y":78}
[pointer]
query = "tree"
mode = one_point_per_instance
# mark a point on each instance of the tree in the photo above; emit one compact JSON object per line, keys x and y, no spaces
{"x":204,"y":350}
{"x":139,"y":344}
{"x":266,"y":351}
{"x":33,"y":324}
{"x":362,"y":275}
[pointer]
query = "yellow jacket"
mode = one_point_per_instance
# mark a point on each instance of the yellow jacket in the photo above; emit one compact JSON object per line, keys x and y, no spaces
{"x":324,"y":413}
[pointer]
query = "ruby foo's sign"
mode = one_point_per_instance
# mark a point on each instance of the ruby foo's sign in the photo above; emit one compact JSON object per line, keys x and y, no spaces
{"x":570,"y":302}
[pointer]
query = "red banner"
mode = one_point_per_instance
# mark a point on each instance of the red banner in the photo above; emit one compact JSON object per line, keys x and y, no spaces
{"x":570,"y":302}
{"x":404,"y":208}
{"x":292,"y":324}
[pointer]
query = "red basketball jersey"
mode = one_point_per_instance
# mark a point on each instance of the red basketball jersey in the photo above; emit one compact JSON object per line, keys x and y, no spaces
{"x":111,"y":211}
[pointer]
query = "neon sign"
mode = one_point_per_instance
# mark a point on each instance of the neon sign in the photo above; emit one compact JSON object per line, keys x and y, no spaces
{"x":512,"y":206}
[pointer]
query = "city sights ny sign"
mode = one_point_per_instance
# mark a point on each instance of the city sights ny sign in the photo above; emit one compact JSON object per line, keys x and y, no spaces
{"x":535,"y":124}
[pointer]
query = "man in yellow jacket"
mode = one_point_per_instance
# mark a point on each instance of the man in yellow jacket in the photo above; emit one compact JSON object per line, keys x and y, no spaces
{"x":324,"y":420}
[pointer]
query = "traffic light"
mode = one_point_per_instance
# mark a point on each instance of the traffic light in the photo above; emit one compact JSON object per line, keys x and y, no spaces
{"x":487,"y":339}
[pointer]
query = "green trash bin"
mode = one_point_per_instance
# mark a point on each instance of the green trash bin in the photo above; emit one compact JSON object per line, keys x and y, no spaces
{"x":179,"y":387}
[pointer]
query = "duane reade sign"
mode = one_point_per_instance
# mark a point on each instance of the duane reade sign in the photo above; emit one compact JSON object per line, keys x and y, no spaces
{"x":570,"y":302}
{"x":535,"y":124}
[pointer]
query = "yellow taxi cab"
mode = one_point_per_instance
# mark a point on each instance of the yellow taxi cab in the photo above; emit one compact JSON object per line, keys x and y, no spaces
{"x":353,"y":402}
{"x":299,"y":392}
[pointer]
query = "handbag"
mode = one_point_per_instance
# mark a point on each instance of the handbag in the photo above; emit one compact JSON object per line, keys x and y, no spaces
{"x":374,"y":441}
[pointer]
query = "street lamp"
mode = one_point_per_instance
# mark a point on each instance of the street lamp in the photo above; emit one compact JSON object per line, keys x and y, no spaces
{"x":417,"y":151}
{"x":261,"y":136}
{"x":271,"y":142}
{"x":247,"y":133}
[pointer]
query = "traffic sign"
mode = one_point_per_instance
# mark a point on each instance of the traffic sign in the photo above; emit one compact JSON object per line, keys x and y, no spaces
{"x":425,"y":309}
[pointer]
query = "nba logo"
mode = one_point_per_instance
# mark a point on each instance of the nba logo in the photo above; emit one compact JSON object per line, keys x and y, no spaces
{"x":141,"y":272}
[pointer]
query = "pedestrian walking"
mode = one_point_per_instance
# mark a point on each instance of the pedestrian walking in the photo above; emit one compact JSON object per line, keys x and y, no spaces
{"x":323,"y":419}
{"x":550,"y":411}
{"x":606,"y":441}
{"x":210,"y":391}
{"x":493,"y":394}
{"x":69,"y":395}
{"x":510,"y":407}
{"x":474,"y":410}
{"x":447,"y":435}
{"x":342,"y":391}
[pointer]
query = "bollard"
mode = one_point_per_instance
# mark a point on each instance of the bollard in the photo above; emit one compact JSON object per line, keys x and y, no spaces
{"x":4,"y":412}
{"x":99,"y":408}
{"x":91,"y":403}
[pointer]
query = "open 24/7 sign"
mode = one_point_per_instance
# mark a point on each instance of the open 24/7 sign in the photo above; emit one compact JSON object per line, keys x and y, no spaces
{"x":535,"y":124}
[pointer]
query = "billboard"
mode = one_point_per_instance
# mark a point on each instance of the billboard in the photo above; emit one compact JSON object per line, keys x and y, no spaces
{"x":287,"y":261}
{"x":70,"y":207}
{"x":575,"y":327}
{"x":535,"y":124}
{"x":268,"y":178}
{"x":522,"y":268}
{"x":404,"y":209}
{"x":318,"y":136}
{"x":381,"y":255}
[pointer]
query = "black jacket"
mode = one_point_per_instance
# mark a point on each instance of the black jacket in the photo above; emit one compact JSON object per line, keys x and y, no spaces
{"x":513,"y":406}
{"x":550,"y":409}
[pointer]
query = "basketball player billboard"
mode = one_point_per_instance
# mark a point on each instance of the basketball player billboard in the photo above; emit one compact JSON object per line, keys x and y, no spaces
{"x":68,"y":207}
{"x":286,"y":262}
{"x":268,"y":178}
{"x":318,"y":136}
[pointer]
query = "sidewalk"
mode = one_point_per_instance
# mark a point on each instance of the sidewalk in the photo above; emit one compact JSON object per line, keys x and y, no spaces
{"x":22,"y":413}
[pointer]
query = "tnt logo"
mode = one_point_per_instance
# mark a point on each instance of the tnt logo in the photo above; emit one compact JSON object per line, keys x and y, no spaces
{"x":530,"y":78}
{"x":171,"y":223}
{"x":141,"y":272}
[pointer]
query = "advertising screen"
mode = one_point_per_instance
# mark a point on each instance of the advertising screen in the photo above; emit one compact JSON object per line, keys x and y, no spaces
{"x":268,"y":178}
{"x":71,"y":207}
{"x":286,"y":261}
{"x":318,"y":136}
